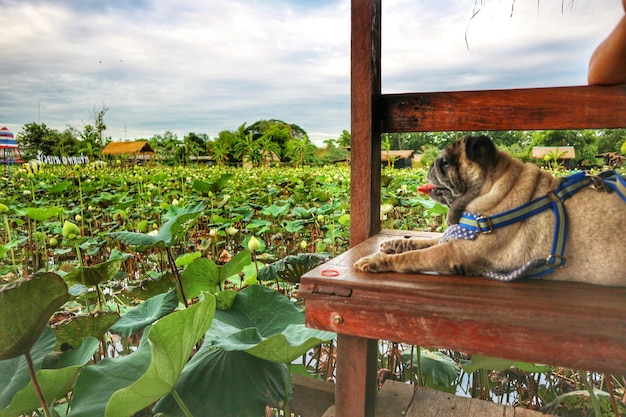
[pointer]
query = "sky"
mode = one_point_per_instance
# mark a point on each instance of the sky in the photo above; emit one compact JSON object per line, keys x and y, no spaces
{"x":205,"y":66}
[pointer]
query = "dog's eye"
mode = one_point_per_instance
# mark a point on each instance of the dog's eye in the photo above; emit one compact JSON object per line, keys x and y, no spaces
{"x":443,"y":164}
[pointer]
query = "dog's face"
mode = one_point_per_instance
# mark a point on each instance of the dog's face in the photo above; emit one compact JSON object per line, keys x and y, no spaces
{"x":459,"y":172}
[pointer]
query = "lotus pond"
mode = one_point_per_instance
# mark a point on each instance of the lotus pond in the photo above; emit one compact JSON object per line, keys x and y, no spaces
{"x":172,"y":292}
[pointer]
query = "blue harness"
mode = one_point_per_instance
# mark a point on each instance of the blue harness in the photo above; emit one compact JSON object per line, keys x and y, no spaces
{"x":471,"y":224}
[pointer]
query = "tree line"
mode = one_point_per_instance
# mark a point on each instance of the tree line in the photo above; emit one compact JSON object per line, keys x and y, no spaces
{"x":269,"y":142}
{"x":265,"y":142}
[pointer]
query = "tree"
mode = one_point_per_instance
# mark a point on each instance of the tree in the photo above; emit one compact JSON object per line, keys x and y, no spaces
{"x":220,"y":150}
{"x":268,"y":148}
{"x":610,"y":140}
{"x":302,"y":150}
{"x":278,"y":131}
{"x":193,"y":144}
{"x":37,"y":137}
{"x":166,"y":147}
{"x":344,"y":139}
{"x":98,"y":124}
{"x":248,"y":149}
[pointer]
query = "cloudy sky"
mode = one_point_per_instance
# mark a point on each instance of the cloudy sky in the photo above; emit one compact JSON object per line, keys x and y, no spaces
{"x":210,"y":65}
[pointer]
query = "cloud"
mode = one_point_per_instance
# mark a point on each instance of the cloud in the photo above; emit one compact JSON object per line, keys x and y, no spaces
{"x":206,"y":66}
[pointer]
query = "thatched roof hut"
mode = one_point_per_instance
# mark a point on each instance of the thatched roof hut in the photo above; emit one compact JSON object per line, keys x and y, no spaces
{"x":138,"y":151}
{"x":563,"y":152}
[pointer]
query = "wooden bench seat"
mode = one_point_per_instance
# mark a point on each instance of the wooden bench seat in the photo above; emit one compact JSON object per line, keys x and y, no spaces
{"x":572,"y":325}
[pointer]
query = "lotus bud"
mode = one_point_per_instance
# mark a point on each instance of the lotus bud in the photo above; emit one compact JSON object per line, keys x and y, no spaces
{"x":303,"y":245}
{"x":254,"y":244}
{"x":3,"y":208}
{"x":232,"y":231}
{"x":70,"y":230}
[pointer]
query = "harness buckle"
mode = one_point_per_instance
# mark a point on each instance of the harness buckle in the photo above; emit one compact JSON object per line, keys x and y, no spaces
{"x":597,"y":183}
{"x":556,"y":260}
{"x":486,"y":220}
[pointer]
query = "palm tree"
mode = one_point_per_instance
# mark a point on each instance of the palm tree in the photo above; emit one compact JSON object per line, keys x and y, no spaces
{"x":248,"y":149}
{"x":268,"y":148}
{"x":301,"y":150}
{"x":220,"y":150}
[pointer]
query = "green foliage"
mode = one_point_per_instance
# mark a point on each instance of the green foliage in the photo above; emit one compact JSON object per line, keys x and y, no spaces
{"x":196,"y":225}
{"x":433,"y":368}
{"x":56,"y":375}
{"x":25,"y":308}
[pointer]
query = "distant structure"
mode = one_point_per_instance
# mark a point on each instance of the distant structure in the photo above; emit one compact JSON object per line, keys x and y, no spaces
{"x":397,"y":159}
{"x":9,"y":150}
{"x":136,"y":152}
{"x":612,"y":159}
{"x":566,"y":153}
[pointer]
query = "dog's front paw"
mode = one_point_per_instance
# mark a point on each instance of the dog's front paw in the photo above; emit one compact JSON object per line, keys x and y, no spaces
{"x":393,"y":246}
{"x":374,"y":263}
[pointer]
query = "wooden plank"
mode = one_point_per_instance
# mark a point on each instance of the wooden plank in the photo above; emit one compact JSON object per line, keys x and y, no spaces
{"x":565,"y":324}
{"x":394,"y":399}
{"x":582,"y":107}
{"x":431,"y":403}
{"x":365,"y":128}
{"x":311,"y":397}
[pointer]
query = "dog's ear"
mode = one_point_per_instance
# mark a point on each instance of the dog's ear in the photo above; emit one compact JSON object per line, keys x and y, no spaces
{"x":480,"y":149}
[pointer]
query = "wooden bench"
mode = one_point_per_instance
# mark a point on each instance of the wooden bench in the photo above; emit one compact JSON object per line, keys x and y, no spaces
{"x":572,"y":325}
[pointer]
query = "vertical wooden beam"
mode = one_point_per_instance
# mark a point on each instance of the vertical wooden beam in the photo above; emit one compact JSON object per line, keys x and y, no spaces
{"x":365,"y":121}
{"x":355,"y":391}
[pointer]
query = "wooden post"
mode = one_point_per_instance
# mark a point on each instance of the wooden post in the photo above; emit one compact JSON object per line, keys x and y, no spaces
{"x":355,"y":390}
{"x":365,"y":122}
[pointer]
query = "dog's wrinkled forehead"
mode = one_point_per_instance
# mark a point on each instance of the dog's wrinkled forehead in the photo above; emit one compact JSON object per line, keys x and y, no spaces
{"x":469,"y":150}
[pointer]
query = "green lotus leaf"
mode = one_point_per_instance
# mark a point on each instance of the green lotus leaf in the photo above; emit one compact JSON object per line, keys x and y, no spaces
{"x":292,"y":267}
{"x":71,"y":332}
{"x":93,"y":275}
{"x":43,"y":214}
{"x":145,"y":314}
{"x":498,"y":364}
{"x":122,"y":386}
{"x":55,"y":381}
{"x":26,"y":306}
{"x":170,"y":233}
{"x":233,"y":384}
{"x":275,"y":332}
{"x":439,"y":371}
{"x":14,"y":373}
{"x":187,"y":258}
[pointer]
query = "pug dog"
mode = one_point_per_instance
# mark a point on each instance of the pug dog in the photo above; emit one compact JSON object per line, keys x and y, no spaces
{"x":472,"y":176}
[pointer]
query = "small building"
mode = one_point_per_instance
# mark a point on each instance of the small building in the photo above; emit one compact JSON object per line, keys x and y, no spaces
{"x":136,"y":152}
{"x":566,"y":153}
{"x":397,"y":159}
